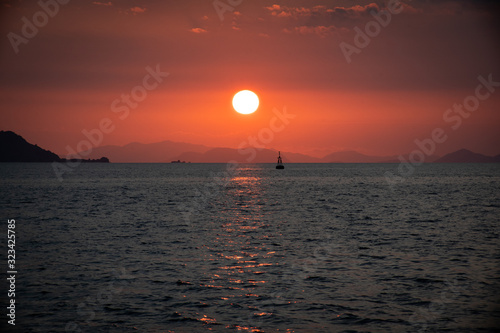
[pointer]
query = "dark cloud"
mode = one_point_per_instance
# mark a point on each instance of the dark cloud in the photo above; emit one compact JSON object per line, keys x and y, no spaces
{"x":97,"y":47}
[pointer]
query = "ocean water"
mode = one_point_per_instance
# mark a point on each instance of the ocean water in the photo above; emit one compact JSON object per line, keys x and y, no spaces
{"x":312,"y":248}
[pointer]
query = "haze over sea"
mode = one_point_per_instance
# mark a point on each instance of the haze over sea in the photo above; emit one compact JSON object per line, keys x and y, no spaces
{"x":312,"y":248}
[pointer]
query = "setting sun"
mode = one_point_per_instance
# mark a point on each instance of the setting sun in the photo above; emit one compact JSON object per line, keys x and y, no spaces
{"x":245,"y":102}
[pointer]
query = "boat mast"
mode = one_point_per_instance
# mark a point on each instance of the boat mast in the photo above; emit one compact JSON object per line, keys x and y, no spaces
{"x":279,"y":158}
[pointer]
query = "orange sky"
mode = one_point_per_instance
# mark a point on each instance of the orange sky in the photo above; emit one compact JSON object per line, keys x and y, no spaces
{"x":65,"y":79}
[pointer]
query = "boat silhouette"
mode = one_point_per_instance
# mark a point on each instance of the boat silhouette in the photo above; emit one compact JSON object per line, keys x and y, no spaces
{"x":280,"y":162}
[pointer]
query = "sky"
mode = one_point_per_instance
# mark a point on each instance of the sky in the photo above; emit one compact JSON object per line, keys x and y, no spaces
{"x":67,"y":70}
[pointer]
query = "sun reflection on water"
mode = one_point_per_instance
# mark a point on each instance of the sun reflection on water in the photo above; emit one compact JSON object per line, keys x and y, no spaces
{"x":239,"y":259}
{"x":239,"y":251}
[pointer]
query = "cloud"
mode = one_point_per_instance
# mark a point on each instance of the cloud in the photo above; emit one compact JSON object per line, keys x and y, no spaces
{"x":274,"y":8}
{"x":282,"y":14}
{"x":323,"y":20}
{"x":97,"y":3}
{"x":320,"y":30}
{"x":353,"y":12}
{"x":137,"y":10}
{"x":320,"y":19}
{"x":198,"y":30}
{"x":284,"y":11}
{"x":335,"y":13}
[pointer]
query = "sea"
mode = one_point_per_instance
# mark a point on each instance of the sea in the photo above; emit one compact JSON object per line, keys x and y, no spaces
{"x":189,"y":247}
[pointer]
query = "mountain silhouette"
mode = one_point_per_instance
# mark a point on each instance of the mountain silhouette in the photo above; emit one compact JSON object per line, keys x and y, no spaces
{"x":14,"y":148}
{"x":353,"y":157}
{"x":167,"y":151}
{"x":467,"y":156}
{"x":159,"y":152}
{"x":245,"y":155}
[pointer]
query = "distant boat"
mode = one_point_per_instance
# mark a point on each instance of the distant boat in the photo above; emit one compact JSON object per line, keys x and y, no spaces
{"x":178,"y":161}
{"x":280,"y":162}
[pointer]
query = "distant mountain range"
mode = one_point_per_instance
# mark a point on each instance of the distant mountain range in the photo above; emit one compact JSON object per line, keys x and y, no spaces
{"x":160,"y":152}
{"x":355,"y":157}
{"x":167,"y":151}
{"x":14,"y":148}
{"x":467,"y":156}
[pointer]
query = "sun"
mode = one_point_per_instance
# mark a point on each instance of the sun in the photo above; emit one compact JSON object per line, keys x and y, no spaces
{"x":245,"y":102}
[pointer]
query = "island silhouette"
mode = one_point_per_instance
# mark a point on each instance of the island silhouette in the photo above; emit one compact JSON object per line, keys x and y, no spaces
{"x":14,"y":148}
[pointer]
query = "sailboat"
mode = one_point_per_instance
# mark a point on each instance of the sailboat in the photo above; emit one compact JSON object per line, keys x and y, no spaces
{"x":280,"y":162}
